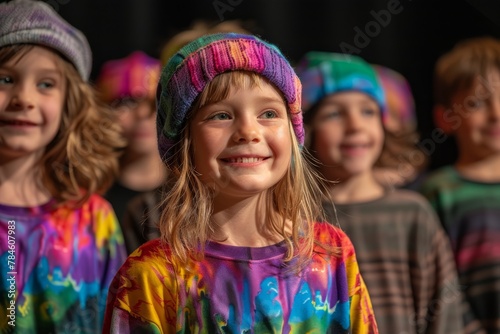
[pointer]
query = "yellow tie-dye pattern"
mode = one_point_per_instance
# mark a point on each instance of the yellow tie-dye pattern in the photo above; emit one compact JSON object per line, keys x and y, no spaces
{"x":106,"y":230}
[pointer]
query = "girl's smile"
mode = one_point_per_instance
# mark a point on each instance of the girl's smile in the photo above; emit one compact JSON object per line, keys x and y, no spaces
{"x":242,"y":143}
{"x":348,"y":133}
{"x":16,"y":123}
{"x":32,"y":92}
{"x":244,"y":160}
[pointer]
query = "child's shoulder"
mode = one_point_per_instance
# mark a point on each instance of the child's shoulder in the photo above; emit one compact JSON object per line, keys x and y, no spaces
{"x":95,"y":202}
{"x":328,"y":234}
{"x":441,"y":175}
{"x":155,"y":251}
{"x":444,"y":179}
{"x":97,"y":208}
{"x":152,"y":254}
{"x":405,"y":197}
{"x":152,"y":250}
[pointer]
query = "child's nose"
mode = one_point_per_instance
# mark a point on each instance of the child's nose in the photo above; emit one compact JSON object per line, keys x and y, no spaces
{"x":495,"y":109}
{"x":22,"y":98}
{"x":144,"y":109}
{"x":353,"y":122}
{"x":246,"y":131}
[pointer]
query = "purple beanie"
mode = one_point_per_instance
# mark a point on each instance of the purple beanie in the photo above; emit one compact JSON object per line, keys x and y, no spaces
{"x":188,"y":72}
{"x":35,"y":22}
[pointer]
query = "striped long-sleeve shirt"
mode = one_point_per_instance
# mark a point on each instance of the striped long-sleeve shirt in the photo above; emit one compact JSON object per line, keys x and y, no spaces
{"x":406,"y":261}
{"x":470,"y":213}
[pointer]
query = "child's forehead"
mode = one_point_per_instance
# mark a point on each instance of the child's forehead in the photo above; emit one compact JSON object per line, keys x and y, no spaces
{"x":36,"y":55}
{"x":227,"y":84}
{"x":348,"y":96}
{"x":479,"y":84}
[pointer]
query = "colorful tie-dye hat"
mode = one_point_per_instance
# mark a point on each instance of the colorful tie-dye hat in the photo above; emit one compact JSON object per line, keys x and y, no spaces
{"x":190,"y":69}
{"x":325,"y":73}
{"x":134,"y":76}
{"x":399,"y":100}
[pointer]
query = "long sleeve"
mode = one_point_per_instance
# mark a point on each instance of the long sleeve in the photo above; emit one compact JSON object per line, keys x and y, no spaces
{"x":142,"y":296}
{"x":438,"y":294}
{"x":110,"y":247}
{"x":361,"y":310}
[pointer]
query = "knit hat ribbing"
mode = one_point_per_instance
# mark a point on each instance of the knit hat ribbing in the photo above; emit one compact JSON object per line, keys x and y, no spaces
{"x":325,"y":73}
{"x":188,"y":72}
{"x":133,"y":76}
{"x":398,"y":96}
{"x":35,"y":22}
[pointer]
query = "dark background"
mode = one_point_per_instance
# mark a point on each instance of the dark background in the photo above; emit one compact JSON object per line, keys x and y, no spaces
{"x":410,"y":42}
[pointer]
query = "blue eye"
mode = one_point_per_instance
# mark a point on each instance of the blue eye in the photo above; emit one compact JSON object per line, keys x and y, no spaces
{"x":45,"y":84}
{"x":474,"y":103}
{"x":331,"y":115}
{"x":269,"y":114}
{"x":369,"y":112}
{"x":5,"y":80}
{"x":220,"y":117}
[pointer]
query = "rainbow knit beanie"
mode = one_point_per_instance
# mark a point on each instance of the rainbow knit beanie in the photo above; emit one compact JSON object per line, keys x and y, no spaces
{"x":398,"y":96}
{"x":325,"y":73}
{"x":134,"y":76}
{"x":189,"y":70}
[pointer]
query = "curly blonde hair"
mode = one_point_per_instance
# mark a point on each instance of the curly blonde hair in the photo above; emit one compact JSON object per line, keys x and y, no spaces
{"x":185,"y":222}
{"x":82,"y":159}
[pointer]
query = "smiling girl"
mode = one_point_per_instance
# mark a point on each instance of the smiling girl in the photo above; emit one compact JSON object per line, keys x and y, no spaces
{"x":403,"y":253}
{"x":239,"y":251}
{"x":59,"y":240}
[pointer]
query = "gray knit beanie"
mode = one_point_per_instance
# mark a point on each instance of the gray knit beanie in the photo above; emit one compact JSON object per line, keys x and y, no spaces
{"x":35,"y":22}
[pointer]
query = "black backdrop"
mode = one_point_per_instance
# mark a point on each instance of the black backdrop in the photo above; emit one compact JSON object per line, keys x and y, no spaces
{"x":408,"y":36}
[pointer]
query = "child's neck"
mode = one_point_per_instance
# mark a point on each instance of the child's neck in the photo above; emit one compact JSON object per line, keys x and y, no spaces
{"x":485,"y":170}
{"x":19,"y":183}
{"x":142,"y":173}
{"x":356,"y":189}
{"x":241,"y":222}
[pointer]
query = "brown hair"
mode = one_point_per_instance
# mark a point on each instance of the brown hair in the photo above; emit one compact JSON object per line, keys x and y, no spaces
{"x":82,"y":159}
{"x":402,"y":148}
{"x":187,"y":204}
{"x":458,"y":69}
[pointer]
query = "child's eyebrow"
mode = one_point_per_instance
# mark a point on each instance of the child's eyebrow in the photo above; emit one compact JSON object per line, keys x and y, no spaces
{"x":50,"y":71}
{"x":329,"y":102}
{"x":274,"y":99}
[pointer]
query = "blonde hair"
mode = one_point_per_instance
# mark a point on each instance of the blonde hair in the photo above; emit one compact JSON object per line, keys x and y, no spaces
{"x":459,"y":68}
{"x":82,"y":159}
{"x":185,"y":222}
{"x":198,"y":29}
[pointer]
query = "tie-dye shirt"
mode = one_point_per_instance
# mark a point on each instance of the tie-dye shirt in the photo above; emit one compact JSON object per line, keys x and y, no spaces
{"x":241,"y":290}
{"x":56,"y":266}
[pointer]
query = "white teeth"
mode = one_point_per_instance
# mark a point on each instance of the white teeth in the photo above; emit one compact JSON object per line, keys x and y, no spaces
{"x":244,"y":160}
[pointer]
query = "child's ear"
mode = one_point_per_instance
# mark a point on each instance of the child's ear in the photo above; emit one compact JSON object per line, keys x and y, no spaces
{"x":441,"y":115}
